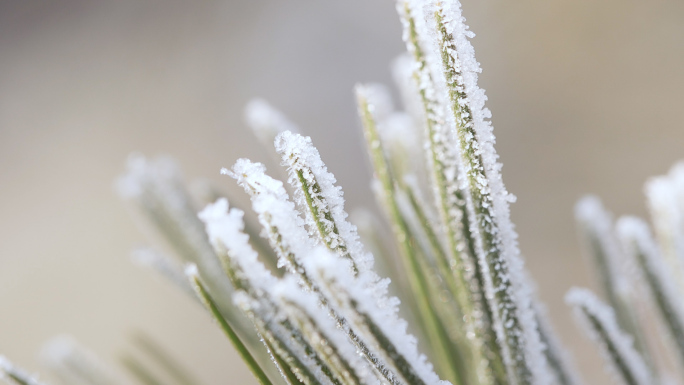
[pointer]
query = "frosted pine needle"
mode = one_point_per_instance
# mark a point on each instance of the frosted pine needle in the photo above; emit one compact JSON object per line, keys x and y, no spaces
{"x":385,"y":186}
{"x":375,"y":318}
{"x":596,"y":226}
{"x":282,"y":225}
{"x":488,"y":199}
{"x":601,"y":324}
{"x":11,"y":373}
{"x":328,"y":319}
{"x":665,"y":196}
{"x":654,"y":273}
{"x":320,"y":199}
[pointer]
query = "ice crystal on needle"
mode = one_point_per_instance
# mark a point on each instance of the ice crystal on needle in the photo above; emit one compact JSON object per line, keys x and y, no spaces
{"x":316,"y":190}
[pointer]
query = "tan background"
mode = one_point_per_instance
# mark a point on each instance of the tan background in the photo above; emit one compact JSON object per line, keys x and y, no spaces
{"x":586,"y":97}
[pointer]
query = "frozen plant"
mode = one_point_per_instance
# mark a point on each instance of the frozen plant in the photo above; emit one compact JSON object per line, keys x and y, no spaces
{"x":640,"y":329}
{"x":298,"y":294}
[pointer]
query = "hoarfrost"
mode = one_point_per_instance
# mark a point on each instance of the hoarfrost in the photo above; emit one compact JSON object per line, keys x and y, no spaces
{"x":289,"y":292}
{"x":403,"y":69}
{"x":655,"y":276}
{"x":598,"y":225}
{"x":467,"y":119}
{"x":226,"y":230}
{"x":320,"y":200}
{"x":364,"y":299}
{"x":665,"y":197}
{"x":157,"y":188}
{"x":636,"y":237}
{"x":9,"y":371}
{"x":617,"y":346}
{"x":283,"y":227}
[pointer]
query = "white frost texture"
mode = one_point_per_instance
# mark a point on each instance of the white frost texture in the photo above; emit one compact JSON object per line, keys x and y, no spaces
{"x":617,"y":346}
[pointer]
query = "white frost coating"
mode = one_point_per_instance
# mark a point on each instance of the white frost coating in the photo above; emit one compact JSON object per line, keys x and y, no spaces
{"x":59,"y":349}
{"x":288,"y":291}
{"x":677,"y":176}
{"x":403,"y":69}
{"x":440,"y":142}
{"x":271,"y":320}
{"x":5,"y":366}
{"x":303,"y":159}
{"x":299,"y":154}
{"x":591,"y":214}
{"x":413,"y":221}
{"x":412,"y":183}
{"x":398,"y":129}
{"x":144,"y":177}
{"x":276,"y":213}
{"x":403,"y":141}
{"x":554,"y":345}
{"x":382,"y":105}
{"x":633,"y":230}
{"x":8,"y":370}
{"x":588,"y":307}
{"x":668,"y":218}
{"x":370,"y":298}
{"x":157,"y":187}
{"x":488,"y":177}
{"x":265,"y":121}
{"x":226,"y":231}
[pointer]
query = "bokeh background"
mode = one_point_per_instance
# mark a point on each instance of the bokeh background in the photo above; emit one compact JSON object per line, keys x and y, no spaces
{"x":586,"y":96}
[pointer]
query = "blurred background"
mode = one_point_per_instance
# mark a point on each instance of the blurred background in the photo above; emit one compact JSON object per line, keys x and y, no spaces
{"x":586,"y":98}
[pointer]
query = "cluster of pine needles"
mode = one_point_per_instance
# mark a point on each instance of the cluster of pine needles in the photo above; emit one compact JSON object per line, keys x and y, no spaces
{"x":294,"y":284}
